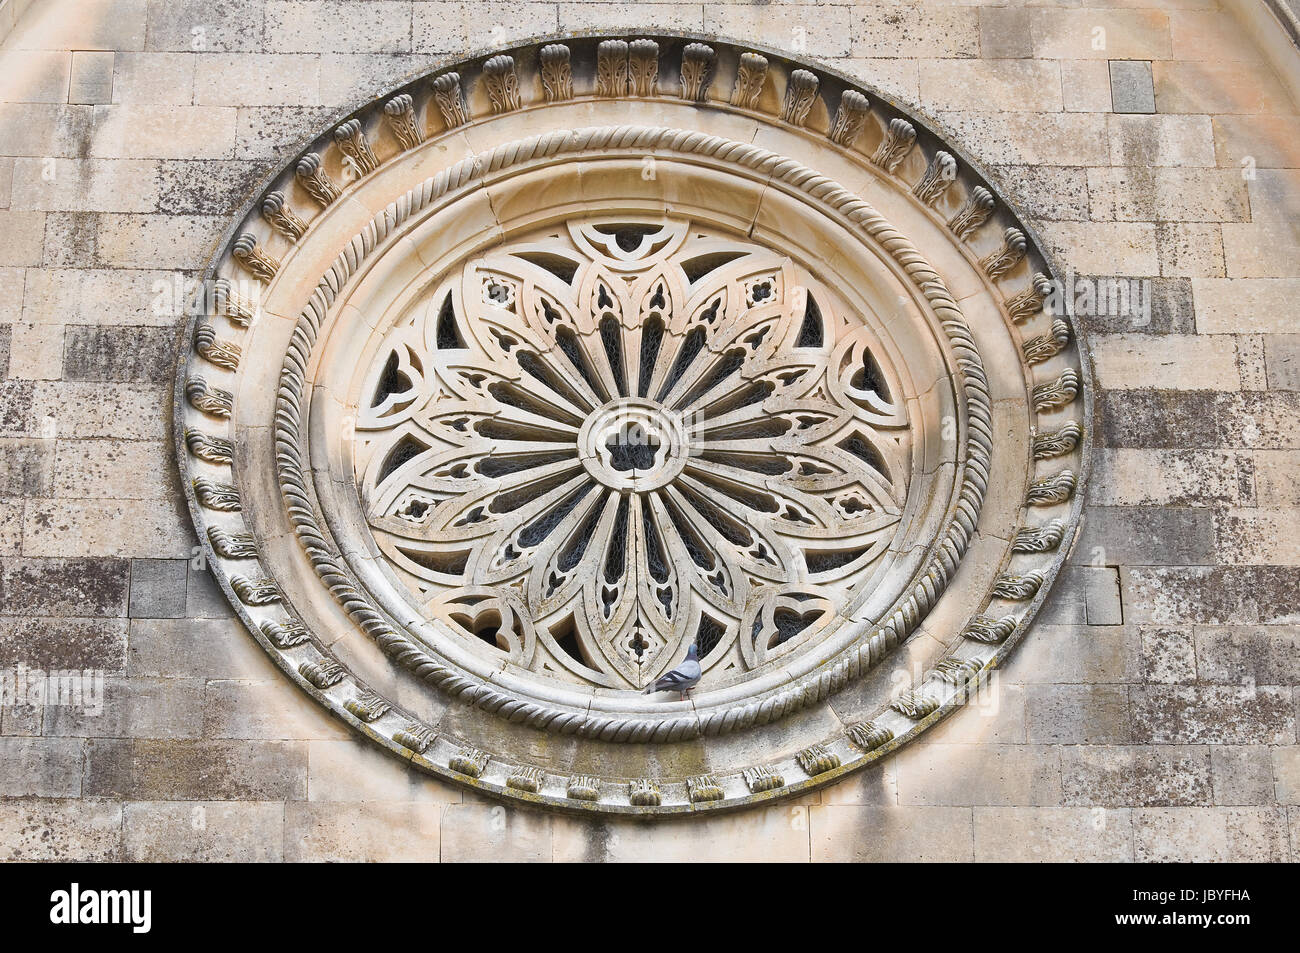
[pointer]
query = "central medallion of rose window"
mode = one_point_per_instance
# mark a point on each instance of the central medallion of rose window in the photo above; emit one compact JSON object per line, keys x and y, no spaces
{"x":600,"y":442}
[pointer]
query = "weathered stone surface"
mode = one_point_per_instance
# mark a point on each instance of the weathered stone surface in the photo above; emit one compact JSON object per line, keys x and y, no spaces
{"x":126,"y":411}
{"x":1138,"y":141}
{"x":1118,"y":776}
{"x":208,"y":186}
{"x":40,"y":767}
{"x":204,"y":598}
{"x":1213,"y":715}
{"x":60,"y":830}
{"x":495,"y":832}
{"x":1128,"y":34}
{"x":1210,"y":835}
{"x":1007,"y":834}
{"x":942,"y":774}
{"x":1135,"y":477}
{"x":1078,"y":714}
{"x":355,"y":771}
{"x":1078,"y":654}
{"x":844,"y":833}
{"x":1147,"y":536}
{"x":1234,"y":305}
{"x":1048,"y":192}
{"x":164,"y":132}
{"x":226,"y":26}
{"x":826,"y":30}
{"x":91,"y":77}
{"x":1029,"y":85}
{"x":165,"y":79}
{"x":64,"y":643}
{"x":1198,"y":419}
{"x":781,"y":835}
{"x":195,"y":648}
{"x":185,"y":770}
{"x":338,"y":832}
{"x":63,"y":587}
{"x":134,"y":708}
{"x":203,"y":831}
{"x":1085,"y":86}
{"x":116,"y":469}
{"x":1244,"y":776}
{"x":26,"y":467}
{"x":1283,"y":361}
{"x":1257,"y":536}
{"x":1277,"y":477}
{"x":1168,"y":654}
{"x":257,"y":79}
{"x":330,"y":26}
{"x":1212,"y":595}
{"x":1004,"y":32}
{"x":128,"y":529}
{"x":1181,"y":195}
{"x":85,"y":185}
{"x":118,"y":354}
{"x":1243,"y":655}
{"x":1131,"y":88}
{"x":265,"y":131}
{"x":270,"y":709}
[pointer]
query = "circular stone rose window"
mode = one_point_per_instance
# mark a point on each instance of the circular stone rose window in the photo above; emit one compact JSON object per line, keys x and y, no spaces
{"x":543,"y":370}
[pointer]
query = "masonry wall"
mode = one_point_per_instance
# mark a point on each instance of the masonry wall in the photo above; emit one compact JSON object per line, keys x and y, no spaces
{"x":1151,"y":714}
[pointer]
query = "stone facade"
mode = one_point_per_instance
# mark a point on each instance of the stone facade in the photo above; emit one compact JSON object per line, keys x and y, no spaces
{"x":1153,"y":713}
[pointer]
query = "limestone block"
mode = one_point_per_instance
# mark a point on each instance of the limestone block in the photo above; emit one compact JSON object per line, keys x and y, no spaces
{"x":1138,"y":775}
{"x":1006,"y":834}
{"x":1138,"y":141}
{"x":257,"y":79}
{"x":64,"y":587}
{"x":1244,"y":775}
{"x":1213,"y":715}
{"x":915,"y":30}
{"x":91,"y":79}
{"x":1078,"y":714}
{"x":60,"y":830}
{"x":1015,"y":85}
{"x":1210,"y":835}
{"x":64,"y":643}
{"x":163,"y":79}
{"x":1246,"y":655}
{"x":847,"y":833}
{"x":943,"y":774}
{"x":150,"y":769}
{"x":338,"y":832}
{"x":40,"y":767}
{"x":204,"y":831}
{"x":158,"y":588}
{"x":132,"y":708}
{"x":1168,"y":654}
{"x":35,"y":76}
{"x":331,"y":26}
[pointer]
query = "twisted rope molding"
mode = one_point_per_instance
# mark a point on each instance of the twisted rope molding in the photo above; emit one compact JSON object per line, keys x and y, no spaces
{"x":809,"y":689}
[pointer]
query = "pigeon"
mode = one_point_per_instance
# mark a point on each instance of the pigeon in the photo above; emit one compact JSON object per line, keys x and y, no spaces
{"x":681,"y":679}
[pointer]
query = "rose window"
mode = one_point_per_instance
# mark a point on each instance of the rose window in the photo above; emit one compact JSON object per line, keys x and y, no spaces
{"x":601,"y":442}
{"x":537,"y":372}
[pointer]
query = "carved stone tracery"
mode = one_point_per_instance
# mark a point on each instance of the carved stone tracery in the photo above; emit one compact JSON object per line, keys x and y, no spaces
{"x":637,"y":430}
{"x":617,"y":430}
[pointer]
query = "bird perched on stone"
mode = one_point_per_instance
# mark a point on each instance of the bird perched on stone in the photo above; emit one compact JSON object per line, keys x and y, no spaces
{"x":681,"y":679}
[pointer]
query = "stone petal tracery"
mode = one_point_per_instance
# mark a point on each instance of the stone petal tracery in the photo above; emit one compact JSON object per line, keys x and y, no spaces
{"x":637,"y":431}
